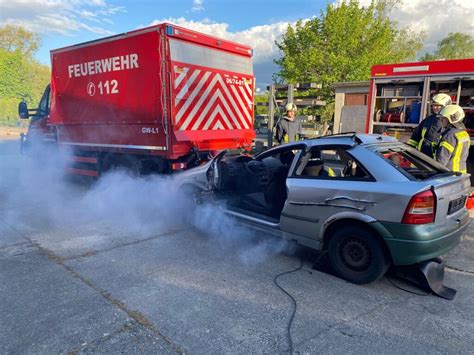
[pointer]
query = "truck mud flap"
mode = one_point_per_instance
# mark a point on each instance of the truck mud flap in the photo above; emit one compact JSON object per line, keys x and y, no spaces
{"x":428,"y":275}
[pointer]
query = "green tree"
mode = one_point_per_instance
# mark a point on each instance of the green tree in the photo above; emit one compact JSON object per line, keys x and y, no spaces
{"x":20,"y":74}
{"x":16,"y":38}
{"x":455,"y":45}
{"x":342,"y":44}
{"x":261,"y":99}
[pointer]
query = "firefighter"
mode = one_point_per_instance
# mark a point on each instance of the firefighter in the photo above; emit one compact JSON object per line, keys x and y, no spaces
{"x":426,"y":136}
{"x":288,"y":128}
{"x":453,"y":146}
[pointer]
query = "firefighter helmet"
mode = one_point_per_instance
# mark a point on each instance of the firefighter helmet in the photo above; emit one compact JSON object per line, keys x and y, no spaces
{"x":441,"y":100}
{"x":290,"y":106}
{"x":454,"y":114}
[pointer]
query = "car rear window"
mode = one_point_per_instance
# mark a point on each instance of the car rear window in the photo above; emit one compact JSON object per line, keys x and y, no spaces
{"x":412,"y":163}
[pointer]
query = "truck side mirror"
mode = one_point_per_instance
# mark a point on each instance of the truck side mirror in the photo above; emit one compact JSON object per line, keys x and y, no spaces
{"x":23,"y":110}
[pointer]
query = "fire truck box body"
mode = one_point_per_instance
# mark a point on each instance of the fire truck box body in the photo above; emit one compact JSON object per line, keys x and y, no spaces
{"x":400,"y":95}
{"x":162,"y":91}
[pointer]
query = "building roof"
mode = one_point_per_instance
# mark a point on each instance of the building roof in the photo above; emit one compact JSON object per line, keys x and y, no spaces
{"x":348,"y":84}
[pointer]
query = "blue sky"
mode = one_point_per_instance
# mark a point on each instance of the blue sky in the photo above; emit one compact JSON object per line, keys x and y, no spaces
{"x":257,"y":23}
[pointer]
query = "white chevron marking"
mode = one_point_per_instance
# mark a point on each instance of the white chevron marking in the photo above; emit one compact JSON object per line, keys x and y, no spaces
{"x":229,"y":96}
{"x":198,"y":105}
{"x":214,"y":114}
{"x":204,"y":112}
{"x":249,"y":102}
{"x":224,"y":100}
{"x":218,"y":125}
{"x":221,"y":93}
{"x":244,"y":109}
{"x":188,"y":84}
{"x":180,"y":77}
{"x":192,"y":96}
{"x":218,"y":94}
{"x":248,"y":88}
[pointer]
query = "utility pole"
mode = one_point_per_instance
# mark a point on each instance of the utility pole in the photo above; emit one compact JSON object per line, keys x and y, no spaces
{"x":291,"y":88}
{"x":271,"y":113}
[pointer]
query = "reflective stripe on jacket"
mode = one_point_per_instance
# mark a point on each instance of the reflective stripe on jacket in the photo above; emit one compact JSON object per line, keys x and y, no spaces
{"x":453,"y":149}
{"x":426,"y":135}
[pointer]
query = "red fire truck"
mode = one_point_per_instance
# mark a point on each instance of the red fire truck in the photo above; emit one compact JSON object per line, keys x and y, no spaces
{"x":399,"y":95}
{"x":155,"y":100}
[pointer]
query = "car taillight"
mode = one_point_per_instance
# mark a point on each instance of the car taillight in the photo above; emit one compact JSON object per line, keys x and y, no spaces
{"x":421,"y":209}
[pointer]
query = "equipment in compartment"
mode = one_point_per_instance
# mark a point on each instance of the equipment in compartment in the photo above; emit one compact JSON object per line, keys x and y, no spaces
{"x":398,"y":103}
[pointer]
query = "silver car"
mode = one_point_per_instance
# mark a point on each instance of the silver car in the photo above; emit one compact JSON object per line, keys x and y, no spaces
{"x":368,"y":200}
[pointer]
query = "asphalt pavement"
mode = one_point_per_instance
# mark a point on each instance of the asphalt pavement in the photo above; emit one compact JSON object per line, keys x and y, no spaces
{"x":96,"y":269}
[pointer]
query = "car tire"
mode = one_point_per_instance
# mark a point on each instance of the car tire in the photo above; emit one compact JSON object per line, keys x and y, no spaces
{"x":357,"y":255}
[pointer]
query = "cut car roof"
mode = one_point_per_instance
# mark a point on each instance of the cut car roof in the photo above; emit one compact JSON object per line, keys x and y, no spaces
{"x":352,"y":139}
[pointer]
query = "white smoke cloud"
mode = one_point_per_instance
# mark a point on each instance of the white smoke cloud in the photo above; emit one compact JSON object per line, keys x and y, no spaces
{"x":225,"y":233}
{"x":38,"y":198}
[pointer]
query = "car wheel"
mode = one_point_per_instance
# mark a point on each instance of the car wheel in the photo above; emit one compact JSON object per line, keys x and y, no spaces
{"x":357,"y":255}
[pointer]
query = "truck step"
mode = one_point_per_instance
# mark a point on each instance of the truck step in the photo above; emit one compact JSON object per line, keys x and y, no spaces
{"x":83,"y":165}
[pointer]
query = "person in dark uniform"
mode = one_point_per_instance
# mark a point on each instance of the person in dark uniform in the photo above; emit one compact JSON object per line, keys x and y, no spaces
{"x":426,"y":136}
{"x":288,"y":128}
{"x":454,"y":144}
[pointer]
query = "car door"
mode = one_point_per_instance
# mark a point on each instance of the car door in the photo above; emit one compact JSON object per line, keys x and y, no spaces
{"x":325,"y":181}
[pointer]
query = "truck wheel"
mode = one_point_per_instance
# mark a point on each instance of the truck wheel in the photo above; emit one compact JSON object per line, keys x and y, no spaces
{"x":357,"y":255}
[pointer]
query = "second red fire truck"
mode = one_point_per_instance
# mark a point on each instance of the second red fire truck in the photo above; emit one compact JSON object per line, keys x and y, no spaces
{"x":400,"y":94}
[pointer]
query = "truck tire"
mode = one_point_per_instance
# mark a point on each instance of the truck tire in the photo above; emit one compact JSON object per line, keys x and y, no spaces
{"x":357,"y":255}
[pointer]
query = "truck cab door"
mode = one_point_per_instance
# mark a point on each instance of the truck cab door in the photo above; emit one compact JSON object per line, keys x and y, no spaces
{"x":38,"y":131}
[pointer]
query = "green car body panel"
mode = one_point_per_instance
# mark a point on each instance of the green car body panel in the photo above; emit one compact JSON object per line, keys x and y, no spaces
{"x":410,"y":244}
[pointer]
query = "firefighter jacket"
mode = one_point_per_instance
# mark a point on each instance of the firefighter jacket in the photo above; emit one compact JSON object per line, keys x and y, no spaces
{"x":287,"y":131}
{"x":426,"y":135}
{"x":453,"y":148}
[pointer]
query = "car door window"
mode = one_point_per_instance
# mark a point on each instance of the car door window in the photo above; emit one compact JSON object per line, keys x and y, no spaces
{"x":331,"y":163}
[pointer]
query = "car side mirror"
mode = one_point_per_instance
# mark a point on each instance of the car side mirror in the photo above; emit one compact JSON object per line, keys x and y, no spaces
{"x":23,"y":110}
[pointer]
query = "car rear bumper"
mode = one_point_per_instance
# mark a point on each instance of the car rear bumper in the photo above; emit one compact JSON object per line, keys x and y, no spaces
{"x":411,"y":244}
